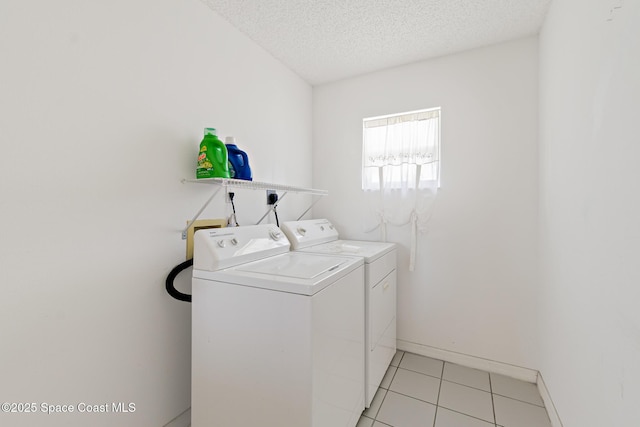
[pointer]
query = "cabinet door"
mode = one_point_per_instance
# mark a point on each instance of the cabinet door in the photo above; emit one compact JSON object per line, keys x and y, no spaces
{"x":383,"y":309}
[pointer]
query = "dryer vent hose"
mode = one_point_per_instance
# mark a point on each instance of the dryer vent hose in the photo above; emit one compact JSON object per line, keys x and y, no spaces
{"x":171,"y":289}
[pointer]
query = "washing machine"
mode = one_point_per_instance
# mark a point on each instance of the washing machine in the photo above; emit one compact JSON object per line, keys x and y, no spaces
{"x":277,"y":336}
{"x":320,"y":236}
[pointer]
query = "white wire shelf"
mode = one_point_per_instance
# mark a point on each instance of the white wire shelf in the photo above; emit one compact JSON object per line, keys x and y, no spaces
{"x":255,"y":185}
{"x":226,"y":183}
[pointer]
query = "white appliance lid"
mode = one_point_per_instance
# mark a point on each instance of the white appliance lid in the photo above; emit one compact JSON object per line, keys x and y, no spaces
{"x":370,"y":251}
{"x":295,"y":266}
{"x":319,"y":270}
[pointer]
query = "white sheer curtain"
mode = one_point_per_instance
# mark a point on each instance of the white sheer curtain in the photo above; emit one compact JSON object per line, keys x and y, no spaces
{"x":403,"y":150}
{"x":401,"y":171}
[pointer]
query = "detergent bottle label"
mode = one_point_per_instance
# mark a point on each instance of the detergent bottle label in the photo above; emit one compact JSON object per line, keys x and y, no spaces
{"x":204,"y":164}
{"x":212,"y":158}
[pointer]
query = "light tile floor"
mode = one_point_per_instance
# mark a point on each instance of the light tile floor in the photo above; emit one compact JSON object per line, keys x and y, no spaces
{"x":418,"y":391}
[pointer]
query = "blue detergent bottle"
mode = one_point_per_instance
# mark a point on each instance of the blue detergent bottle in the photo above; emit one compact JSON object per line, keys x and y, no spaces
{"x":238,"y":161}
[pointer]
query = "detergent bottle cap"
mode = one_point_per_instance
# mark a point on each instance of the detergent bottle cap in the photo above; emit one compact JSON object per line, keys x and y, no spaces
{"x":210,"y":131}
{"x":230,"y":140}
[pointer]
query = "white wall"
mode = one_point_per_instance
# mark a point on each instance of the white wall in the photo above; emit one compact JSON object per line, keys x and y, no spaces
{"x":473,"y":288}
{"x":102,"y":108}
{"x":590,"y":210}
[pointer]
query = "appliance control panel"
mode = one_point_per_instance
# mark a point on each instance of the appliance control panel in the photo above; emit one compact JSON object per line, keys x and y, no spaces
{"x":218,"y":248}
{"x":311,"y":232}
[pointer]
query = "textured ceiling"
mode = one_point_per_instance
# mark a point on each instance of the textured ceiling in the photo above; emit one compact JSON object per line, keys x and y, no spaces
{"x":327,"y":40}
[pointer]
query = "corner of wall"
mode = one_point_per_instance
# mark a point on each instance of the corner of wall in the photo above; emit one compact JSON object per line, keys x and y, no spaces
{"x":548,"y":403}
{"x":182,"y":420}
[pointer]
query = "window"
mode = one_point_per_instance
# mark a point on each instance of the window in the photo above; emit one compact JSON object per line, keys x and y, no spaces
{"x":401,"y":151}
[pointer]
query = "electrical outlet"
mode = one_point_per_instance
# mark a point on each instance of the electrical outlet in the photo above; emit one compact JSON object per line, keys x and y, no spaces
{"x":272,"y":197}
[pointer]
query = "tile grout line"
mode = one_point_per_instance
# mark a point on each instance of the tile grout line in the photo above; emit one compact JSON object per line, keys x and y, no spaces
{"x":467,"y":415}
{"x":421,"y":373}
{"x":375,"y":417}
{"x":468,"y":386}
{"x":435,"y":415}
{"x":429,"y":375}
{"x":493,"y":405}
{"x":411,"y":397}
{"x":519,"y":400}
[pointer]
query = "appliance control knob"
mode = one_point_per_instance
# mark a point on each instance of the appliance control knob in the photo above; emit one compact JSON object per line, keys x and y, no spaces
{"x":302,"y":231}
{"x":322,"y":228}
{"x":234,"y":241}
{"x":331,"y":227}
{"x":222,"y":243}
{"x":275,"y":235}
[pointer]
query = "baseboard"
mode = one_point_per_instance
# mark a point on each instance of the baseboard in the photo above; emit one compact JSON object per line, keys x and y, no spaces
{"x":513,"y":371}
{"x":548,"y":403}
{"x":182,"y":420}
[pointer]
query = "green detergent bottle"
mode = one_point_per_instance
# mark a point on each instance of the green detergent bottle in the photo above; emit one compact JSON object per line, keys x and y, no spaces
{"x":213,"y":159}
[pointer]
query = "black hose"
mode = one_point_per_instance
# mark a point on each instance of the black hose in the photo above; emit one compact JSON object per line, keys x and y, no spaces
{"x":172,"y":276}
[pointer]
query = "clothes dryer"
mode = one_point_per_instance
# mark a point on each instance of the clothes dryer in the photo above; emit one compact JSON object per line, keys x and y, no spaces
{"x":277,"y":336}
{"x":321,"y":236}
